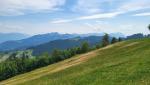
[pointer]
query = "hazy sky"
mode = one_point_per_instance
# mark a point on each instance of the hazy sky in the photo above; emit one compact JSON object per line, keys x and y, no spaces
{"x":74,"y":16}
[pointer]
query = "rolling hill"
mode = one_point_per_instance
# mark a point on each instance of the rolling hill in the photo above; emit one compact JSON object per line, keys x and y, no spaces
{"x":124,"y":63}
{"x":64,"y":44}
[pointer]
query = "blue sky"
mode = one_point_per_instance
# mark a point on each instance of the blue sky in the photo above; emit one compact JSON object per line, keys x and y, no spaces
{"x":74,"y":16}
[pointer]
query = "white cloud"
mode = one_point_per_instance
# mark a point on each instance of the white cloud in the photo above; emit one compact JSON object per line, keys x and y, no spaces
{"x":10,"y":27}
{"x":142,"y":14}
{"x":95,"y":16}
{"x":89,"y":6}
{"x":134,"y":5}
{"x":20,"y":7}
{"x":92,"y":26}
{"x":103,"y":6}
{"x":61,"y":21}
{"x":101,"y":26}
{"x":101,"y":16}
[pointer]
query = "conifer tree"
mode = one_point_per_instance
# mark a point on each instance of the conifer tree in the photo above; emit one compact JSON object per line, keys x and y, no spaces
{"x":149,"y":27}
{"x":105,"y":40}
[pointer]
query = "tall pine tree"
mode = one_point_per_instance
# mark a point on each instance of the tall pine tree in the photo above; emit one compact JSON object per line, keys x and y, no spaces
{"x":105,"y":40}
{"x":149,"y":27}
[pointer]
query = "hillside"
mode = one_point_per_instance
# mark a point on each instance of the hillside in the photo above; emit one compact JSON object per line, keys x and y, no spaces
{"x":124,"y":63}
{"x":64,"y":44}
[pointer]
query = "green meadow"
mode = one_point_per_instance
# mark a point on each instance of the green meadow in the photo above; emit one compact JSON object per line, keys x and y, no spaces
{"x":123,"y":63}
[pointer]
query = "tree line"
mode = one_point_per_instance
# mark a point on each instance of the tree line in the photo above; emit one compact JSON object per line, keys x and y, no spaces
{"x":24,"y":63}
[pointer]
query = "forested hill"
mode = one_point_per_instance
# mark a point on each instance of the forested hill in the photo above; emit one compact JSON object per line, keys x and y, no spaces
{"x":64,"y":44}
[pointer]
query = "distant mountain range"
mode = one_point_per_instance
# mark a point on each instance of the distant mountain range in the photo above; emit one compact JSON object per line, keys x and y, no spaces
{"x":136,"y":36}
{"x":64,"y":44}
{"x":33,"y":41}
{"x":12,"y":36}
{"x":117,"y":35}
{"x":45,"y":38}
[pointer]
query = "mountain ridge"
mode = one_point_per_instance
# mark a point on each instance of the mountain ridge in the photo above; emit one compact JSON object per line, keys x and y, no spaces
{"x":40,"y":39}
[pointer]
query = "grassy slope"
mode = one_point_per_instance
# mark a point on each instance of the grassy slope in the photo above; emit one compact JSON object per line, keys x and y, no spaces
{"x":125,"y":63}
